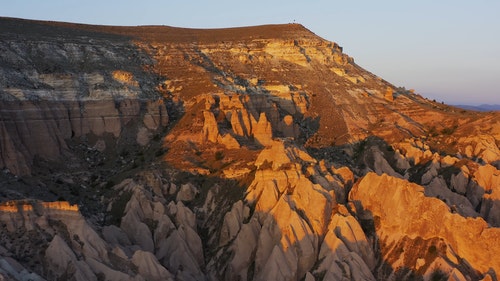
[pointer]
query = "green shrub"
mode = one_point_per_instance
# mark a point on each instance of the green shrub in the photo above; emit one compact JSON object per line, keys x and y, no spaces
{"x":219,"y":155}
{"x":109,"y":184}
{"x":449,"y":131}
{"x":432,"y":249}
{"x":118,"y":208}
{"x":439,"y":275}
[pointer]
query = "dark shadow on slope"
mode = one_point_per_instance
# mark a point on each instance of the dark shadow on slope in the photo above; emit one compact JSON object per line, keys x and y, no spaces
{"x":73,"y":147}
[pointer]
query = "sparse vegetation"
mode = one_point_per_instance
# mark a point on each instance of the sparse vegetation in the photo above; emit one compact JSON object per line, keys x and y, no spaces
{"x":359,"y":148}
{"x":99,"y":171}
{"x":109,"y":184}
{"x":219,"y":155}
{"x":77,"y":239}
{"x":432,"y":132}
{"x":439,"y":275}
{"x":449,"y":130}
{"x":432,"y":250}
{"x":160,"y":152}
{"x":124,"y":153}
{"x":157,"y":137}
{"x":151,"y":223}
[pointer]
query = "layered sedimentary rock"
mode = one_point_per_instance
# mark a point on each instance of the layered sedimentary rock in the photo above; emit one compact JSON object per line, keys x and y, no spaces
{"x":55,"y":88}
{"x":250,"y":153}
{"x":41,"y":128}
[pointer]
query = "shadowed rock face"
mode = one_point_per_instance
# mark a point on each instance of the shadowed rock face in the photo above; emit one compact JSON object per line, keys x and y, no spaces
{"x":41,"y":128}
{"x":59,"y":84}
{"x":256,"y":153}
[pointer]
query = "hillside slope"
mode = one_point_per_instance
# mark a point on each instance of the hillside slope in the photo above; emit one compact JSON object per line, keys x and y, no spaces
{"x":253,"y":153}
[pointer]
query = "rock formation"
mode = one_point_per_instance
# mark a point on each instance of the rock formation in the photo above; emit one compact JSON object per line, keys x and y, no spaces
{"x":255,"y":153}
{"x":442,"y":234}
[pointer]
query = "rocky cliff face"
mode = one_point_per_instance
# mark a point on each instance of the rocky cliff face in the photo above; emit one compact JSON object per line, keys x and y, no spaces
{"x":423,"y":232}
{"x":258,"y":153}
{"x":59,"y":85}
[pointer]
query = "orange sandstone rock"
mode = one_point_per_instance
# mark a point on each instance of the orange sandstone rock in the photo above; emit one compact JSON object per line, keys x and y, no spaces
{"x":124,"y":77}
{"x":400,"y":211}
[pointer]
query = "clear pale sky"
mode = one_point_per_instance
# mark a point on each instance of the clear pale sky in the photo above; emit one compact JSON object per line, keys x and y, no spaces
{"x":445,"y":50}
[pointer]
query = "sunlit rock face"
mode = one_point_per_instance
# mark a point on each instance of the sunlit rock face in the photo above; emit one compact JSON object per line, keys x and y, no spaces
{"x":256,"y":153}
{"x":415,"y":231}
{"x":296,"y":224}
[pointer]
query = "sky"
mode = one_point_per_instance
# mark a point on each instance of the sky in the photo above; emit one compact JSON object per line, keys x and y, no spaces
{"x":446,"y":50}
